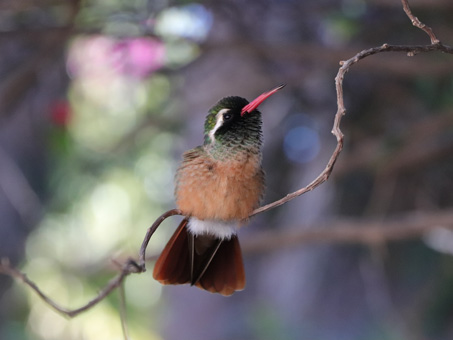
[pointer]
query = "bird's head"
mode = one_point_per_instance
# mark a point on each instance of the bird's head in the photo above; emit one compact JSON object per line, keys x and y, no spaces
{"x":234,"y":121}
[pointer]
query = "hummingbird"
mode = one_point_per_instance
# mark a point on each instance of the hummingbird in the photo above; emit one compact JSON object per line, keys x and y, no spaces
{"x":217,"y":186}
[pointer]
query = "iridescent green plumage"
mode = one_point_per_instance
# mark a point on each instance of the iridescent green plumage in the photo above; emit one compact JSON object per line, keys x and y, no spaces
{"x":240,"y":133}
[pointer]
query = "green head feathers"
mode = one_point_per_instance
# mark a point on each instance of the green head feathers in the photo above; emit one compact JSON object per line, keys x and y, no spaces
{"x":234,"y":124}
{"x":226,"y":127}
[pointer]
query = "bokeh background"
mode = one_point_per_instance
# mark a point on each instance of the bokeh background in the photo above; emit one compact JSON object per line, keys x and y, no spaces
{"x":98,"y":99}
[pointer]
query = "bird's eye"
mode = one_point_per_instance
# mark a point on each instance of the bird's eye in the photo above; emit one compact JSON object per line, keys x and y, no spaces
{"x":227,"y":116}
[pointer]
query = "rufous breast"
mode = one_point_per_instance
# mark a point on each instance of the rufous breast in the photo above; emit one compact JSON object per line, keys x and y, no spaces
{"x":210,"y":189}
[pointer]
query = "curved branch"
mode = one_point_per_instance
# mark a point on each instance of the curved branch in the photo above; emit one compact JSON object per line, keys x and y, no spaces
{"x":418,"y":23}
{"x":411,"y":50}
{"x":129,"y":267}
{"x":141,"y":261}
{"x":7,"y":269}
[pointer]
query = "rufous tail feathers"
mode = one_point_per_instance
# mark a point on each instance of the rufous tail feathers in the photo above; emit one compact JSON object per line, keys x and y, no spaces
{"x":207,"y":262}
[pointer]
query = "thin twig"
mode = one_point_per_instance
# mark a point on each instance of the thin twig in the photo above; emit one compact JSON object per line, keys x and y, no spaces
{"x":142,"y":258}
{"x":129,"y":267}
{"x":418,"y":23}
{"x":7,"y":269}
{"x":436,"y":45}
{"x":336,"y":131}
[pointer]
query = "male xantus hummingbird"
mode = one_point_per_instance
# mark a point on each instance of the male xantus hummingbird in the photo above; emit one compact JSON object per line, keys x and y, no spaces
{"x":218,"y":185}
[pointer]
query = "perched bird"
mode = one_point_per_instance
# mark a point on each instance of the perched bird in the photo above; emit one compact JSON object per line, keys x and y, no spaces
{"x":218,"y":185}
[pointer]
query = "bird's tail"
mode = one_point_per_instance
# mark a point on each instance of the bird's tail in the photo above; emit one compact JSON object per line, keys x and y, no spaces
{"x":205,"y":261}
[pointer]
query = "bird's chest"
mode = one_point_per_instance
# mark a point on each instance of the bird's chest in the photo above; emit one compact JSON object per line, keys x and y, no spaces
{"x":220,"y":190}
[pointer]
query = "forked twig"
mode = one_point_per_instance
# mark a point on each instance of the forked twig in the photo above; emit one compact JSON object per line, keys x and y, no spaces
{"x":7,"y":269}
{"x":129,"y":267}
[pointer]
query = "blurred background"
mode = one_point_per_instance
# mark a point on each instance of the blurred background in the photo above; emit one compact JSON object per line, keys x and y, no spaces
{"x":98,"y":99}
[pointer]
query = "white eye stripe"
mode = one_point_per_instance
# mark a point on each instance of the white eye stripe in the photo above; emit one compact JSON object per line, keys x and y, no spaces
{"x":218,"y":124}
{"x":221,"y":112}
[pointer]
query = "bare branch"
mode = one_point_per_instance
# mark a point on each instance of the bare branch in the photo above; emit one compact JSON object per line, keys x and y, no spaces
{"x":411,"y":50}
{"x":7,"y":269}
{"x":129,"y":267}
{"x":418,"y":23}
{"x":141,"y":261}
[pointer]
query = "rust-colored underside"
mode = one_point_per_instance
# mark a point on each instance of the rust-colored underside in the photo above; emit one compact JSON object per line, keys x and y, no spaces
{"x":227,"y":190}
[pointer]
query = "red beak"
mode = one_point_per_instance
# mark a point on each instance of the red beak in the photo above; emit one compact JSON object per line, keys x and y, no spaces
{"x":250,"y":107}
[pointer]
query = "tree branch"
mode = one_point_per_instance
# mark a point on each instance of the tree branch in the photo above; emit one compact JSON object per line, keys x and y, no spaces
{"x":411,"y":50}
{"x":7,"y":269}
{"x":418,"y":23}
{"x":142,"y":258}
{"x":129,"y":267}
